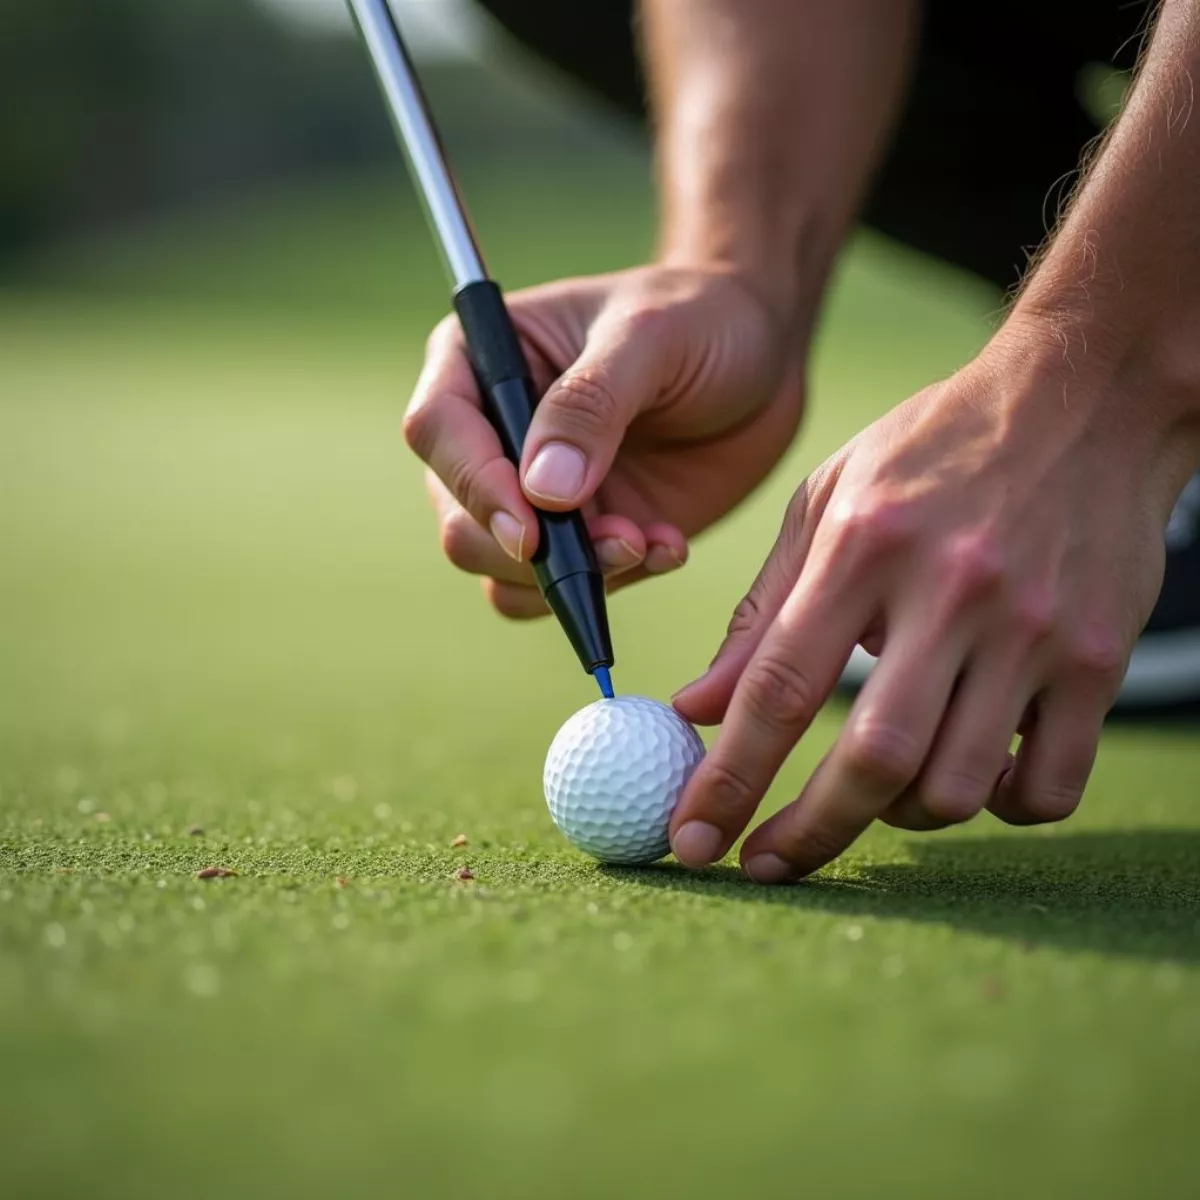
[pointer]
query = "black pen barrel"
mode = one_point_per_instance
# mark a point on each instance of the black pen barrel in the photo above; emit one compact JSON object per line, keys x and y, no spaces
{"x":564,"y":563}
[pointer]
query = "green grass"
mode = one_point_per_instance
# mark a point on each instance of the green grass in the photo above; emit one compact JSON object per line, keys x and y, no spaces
{"x":222,"y":605}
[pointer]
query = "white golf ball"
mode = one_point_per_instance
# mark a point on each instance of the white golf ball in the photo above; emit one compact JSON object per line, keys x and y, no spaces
{"x":614,"y":773}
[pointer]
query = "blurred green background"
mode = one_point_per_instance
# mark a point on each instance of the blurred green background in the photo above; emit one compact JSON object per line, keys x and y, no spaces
{"x":223,"y":609}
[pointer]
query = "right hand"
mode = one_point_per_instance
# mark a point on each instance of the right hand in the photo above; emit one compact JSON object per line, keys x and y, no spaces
{"x":669,"y":393}
{"x":997,"y":541}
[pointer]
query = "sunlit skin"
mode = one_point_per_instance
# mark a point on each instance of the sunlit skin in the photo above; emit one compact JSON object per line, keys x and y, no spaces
{"x":678,"y":428}
{"x":996,"y":539}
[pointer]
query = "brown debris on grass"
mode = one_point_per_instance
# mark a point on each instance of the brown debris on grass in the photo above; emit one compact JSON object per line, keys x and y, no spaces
{"x":464,"y":874}
{"x":216,"y":873}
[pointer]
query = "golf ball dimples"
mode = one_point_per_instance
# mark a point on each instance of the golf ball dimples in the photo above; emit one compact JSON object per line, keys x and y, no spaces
{"x":614,"y":773}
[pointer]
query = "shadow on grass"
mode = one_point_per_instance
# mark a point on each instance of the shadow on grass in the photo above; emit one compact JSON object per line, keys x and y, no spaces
{"x":1135,"y":892}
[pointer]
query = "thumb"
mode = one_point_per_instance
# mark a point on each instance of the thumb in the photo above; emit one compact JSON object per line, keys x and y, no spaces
{"x":580,"y":422}
{"x":705,"y":700}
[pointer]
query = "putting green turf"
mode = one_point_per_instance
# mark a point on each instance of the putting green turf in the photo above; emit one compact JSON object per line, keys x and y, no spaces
{"x":222,"y":606}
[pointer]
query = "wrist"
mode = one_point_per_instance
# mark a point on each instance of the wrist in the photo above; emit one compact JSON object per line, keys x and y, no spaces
{"x":1134,"y":330}
{"x":1057,"y":367}
{"x":785,"y":264}
{"x":1145,"y":361}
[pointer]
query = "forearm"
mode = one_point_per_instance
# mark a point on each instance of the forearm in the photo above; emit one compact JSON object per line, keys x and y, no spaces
{"x":769,"y":117}
{"x":1119,"y":285}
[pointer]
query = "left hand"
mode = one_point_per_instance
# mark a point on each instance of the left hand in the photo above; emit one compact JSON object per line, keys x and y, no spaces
{"x":670,"y":392}
{"x":997,"y":540}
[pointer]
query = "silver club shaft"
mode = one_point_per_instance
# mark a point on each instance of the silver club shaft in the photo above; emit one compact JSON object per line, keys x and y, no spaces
{"x":419,"y":140}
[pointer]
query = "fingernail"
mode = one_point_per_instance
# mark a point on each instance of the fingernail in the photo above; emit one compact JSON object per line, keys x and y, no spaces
{"x":661,"y":559}
{"x":557,"y":472}
{"x":687,"y":687}
{"x":697,"y":843}
{"x":616,"y":554}
{"x":768,"y":868}
{"x":510,"y":533}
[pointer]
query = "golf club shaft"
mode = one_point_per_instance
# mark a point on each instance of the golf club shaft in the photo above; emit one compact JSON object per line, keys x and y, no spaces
{"x":564,"y":563}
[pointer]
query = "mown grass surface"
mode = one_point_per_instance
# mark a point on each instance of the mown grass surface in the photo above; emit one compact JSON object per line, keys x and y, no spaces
{"x":222,"y":607}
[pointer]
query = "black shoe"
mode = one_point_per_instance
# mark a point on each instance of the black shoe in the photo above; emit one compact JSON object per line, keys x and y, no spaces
{"x":1164,"y":672}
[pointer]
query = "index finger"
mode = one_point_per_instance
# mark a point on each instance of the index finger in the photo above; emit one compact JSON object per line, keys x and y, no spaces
{"x":446,"y":427}
{"x":880,"y":751}
{"x":789,"y":678}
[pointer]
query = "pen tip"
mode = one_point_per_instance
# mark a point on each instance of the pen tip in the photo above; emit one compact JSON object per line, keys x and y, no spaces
{"x":604,"y":680}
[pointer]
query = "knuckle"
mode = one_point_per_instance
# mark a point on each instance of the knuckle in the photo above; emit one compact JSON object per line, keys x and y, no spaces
{"x":650,"y":321}
{"x":474,"y":484}
{"x":794,"y":534}
{"x":884,"y":753}
{"x":906,"y":813}
{"x":461,"y":480}
{"x":972,"y":565}
{"x":419,"y":427}
{"x":1035,"y":614}
{"x":795,"y":515}
{"x":728,"y":792}
{"x":954,"y":796}
{"x":812,"y":846}
{"x":779,"y":693}
{"x":746,"y":616}
{"x":1051,"y":802}
{"x":459,"y":532}
{"x":871,"y":525}
{"x":1099,"y":651}
{"x":584,"y":402}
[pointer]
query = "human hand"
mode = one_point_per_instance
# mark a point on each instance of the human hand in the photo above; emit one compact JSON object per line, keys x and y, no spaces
{"x":997,"y":540}
{"x":670,"y":392}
